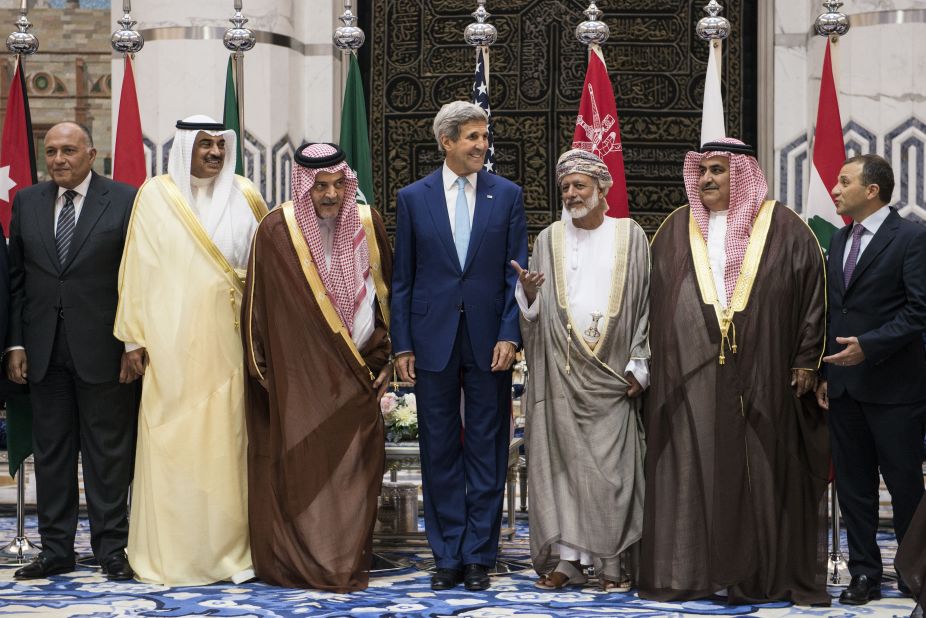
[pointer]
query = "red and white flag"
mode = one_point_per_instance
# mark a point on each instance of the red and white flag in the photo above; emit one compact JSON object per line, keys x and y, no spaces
{"x":17,"y":153}
{"x":829,"y":153}
{"x":598,"y":129}
{"x":129,"y":157}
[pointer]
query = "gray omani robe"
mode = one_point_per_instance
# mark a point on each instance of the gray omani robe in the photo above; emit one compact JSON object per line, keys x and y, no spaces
{"x":584,"y":436}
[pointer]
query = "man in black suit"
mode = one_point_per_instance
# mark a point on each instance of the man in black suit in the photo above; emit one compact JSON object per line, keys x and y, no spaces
{"x":66,"y":239}
{"x":875,"y":377}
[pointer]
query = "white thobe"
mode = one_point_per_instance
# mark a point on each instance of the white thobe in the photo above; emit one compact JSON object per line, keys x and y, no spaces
{"x":717,"y":252}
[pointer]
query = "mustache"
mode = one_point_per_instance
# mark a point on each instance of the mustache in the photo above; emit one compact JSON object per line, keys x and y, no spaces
{"x":327,"y":201}
{"x":709,"y":186}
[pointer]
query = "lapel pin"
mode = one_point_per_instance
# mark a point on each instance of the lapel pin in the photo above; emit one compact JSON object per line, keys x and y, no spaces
{"x":488,"y":196}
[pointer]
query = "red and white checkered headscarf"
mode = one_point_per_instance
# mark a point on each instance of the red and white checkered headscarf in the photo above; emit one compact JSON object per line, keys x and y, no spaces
{"x":350,"y":259}
{"x":748,"y":189}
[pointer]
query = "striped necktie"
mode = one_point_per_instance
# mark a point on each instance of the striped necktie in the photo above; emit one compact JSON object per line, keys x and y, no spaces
{"x":854,"y":250}
{"x":66,"y":221}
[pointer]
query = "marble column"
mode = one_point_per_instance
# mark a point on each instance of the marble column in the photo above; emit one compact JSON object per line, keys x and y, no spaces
{"x":292,"y":78}
{"x":879,"y":71}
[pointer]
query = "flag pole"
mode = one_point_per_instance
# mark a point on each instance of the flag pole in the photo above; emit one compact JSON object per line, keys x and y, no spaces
{"x":713,"y":29}
{"x":482,"y":35}
{"x":238,"y":40}
{"x":832,"y":24}
{"x":21,"y":550}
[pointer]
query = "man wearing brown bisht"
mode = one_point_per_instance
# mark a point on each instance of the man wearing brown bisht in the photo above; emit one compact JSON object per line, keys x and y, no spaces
{"x":316,"y":349}
{"x":737,"y":450}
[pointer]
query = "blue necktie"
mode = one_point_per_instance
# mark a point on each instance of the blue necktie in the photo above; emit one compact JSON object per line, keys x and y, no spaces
{"x":461,"y":228}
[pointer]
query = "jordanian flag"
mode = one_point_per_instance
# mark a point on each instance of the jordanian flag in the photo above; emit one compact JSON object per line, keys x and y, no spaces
{"x":829,"y":153}
{"x":355,"y":137}
{"x":17,"y":171}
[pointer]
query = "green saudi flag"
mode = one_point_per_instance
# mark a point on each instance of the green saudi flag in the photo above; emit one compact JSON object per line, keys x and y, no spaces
{"x":18,"y":429}
{"x":230,"y":116}
{"x":355,"y":137}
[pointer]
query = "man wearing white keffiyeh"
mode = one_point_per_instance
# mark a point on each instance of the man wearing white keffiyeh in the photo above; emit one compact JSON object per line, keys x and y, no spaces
{"x":180,"y":288}
{"x":737,"y":449}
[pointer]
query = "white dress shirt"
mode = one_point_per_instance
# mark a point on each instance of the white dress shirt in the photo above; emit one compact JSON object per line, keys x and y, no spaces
{"x":78,"y":200}
{"x":872,"y":224}
{"x":450,"y":194}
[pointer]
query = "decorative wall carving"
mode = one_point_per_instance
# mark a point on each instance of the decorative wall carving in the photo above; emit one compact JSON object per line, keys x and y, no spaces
{"x":416,"y":61}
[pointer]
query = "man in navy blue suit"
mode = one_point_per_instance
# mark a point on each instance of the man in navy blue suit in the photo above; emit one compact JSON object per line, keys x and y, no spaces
{"x":874,"y":383}
{"x":455,"y":325}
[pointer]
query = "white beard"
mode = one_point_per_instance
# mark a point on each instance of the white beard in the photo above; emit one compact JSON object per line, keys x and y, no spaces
{"x":581,"y":211}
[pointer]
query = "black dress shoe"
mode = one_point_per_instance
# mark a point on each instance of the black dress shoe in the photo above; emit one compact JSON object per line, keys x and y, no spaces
{"x":917,"y":611}
{"x":445,"y":579}
{"x":475,"y":577}
{"x":117,"y":568}
{"x":44,"y":565}
{"x":861,"y":590}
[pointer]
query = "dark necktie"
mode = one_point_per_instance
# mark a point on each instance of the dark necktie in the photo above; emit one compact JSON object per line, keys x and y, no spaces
{"x":66,"y":221}
{"x":854,"y":250}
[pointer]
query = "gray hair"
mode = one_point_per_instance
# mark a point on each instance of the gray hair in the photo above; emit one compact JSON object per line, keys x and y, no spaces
{"x":453,"y":116}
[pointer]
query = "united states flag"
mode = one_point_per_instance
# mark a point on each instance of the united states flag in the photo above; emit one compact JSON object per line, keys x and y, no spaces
{"x":481,"y":98}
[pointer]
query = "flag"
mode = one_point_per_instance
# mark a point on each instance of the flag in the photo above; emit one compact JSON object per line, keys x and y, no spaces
{"x":829,"y":153}
{"x":355,"y":137}
{"x":713,"y":126}
{"x":598,"y":129}
{"x":129,"y":158}
{"x":230,"y":117}
{"x":17,"y":152}
{"x":17,"y":171}
{"x":481,"y":98}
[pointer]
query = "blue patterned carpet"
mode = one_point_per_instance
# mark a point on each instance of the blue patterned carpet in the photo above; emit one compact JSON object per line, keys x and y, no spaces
{"x":85,"y":592}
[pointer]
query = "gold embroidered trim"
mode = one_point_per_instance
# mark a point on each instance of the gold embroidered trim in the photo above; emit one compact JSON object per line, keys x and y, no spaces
{"x":310,"y":270}
{"x":620,"y":258}
{"x":252,"y":357}
{"x":172,"y":195}
{"x":376,"y":261}
{"x":744,"y":282}
{"x":254,"y":199}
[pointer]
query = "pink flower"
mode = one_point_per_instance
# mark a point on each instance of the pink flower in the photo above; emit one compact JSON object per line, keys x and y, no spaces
{"x":388,"y":403}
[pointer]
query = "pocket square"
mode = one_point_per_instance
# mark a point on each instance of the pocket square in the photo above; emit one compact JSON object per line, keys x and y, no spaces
{"x":488,"y":197}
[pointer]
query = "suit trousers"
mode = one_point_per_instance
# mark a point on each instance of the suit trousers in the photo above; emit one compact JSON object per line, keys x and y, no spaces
{"x":463,"y":472}
{"x":866,"y":437}
{"x":99,"y":421}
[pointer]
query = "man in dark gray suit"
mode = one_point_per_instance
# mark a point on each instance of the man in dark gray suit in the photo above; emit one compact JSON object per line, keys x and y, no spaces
{"x":873,"y":384}
{"x":66,"y":240}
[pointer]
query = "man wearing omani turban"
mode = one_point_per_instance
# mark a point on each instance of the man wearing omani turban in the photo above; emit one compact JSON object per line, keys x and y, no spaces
{"x":585,"y":341}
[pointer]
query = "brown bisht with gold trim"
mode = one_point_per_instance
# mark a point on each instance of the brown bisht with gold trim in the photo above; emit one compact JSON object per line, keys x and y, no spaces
{"x":910,"y":562}
{"x":316,"y":447}
{"x":736,"y":464}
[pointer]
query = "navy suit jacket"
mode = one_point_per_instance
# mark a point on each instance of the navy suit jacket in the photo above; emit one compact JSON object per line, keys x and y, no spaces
{"x":429,"y":289}
{"x":884,"y":305}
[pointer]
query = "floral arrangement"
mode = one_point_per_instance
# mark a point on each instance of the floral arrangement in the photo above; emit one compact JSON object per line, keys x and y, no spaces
{"x":400,"y":414}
